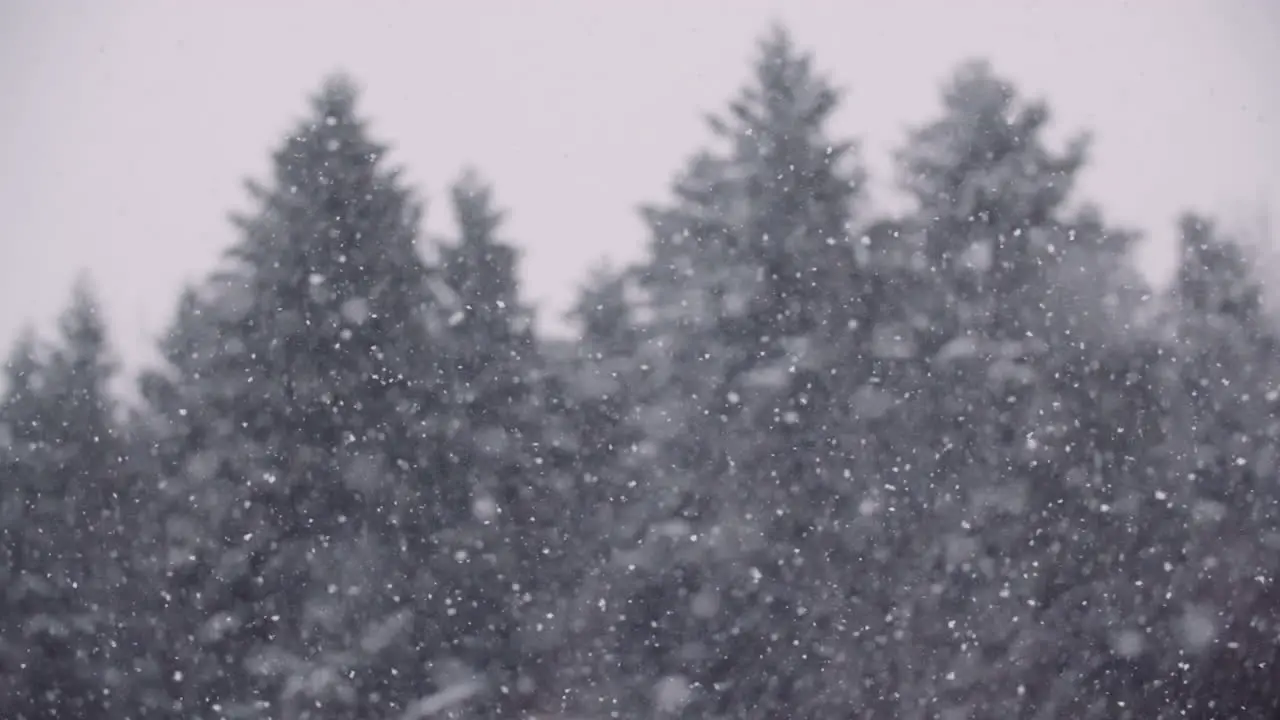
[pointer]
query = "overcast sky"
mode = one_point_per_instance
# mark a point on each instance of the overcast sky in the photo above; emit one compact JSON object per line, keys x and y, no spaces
{"x":129,"y":125}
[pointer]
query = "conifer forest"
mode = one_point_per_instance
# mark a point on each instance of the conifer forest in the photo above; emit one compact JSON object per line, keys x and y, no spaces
{"x":807,"y":459}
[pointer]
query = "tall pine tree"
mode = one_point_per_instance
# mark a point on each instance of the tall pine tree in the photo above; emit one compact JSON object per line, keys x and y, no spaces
{"x":296,"y":417}
{"x":752,"y":276}
{"x":1018,"y":328}
{"x":61,"y":462}
{"x":1223,"y":372}
{"x":500,"y":449}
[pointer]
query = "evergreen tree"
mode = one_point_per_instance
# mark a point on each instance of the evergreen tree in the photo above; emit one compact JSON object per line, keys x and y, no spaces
{"x":1223,"y":381}
{"x":1019,"y":326}
{"x":297,"y":418}
{"x":27,"y":560}
{"x":62,"y":541}
{"x":752,"y":272}
{"x":600,"y":384}
{"x":988,"y":190}
{"x":1214,"y":276}
{"x":499,"y":449}
{"x":602,"y":388}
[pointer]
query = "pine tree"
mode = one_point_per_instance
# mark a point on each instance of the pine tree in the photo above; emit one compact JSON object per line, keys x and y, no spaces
{"x":62,"y":538}
{"x":1214,"y":276}
{"x":296,"y":420}
{"x":752,"y":272}
{"x":23,"y":693}
{"x":499,"y":448}
{"x":1024,"y":383}
{"x":989,"y":190}
{"x":1223,"y":385}
{"x":602,"y":386}
{"x":599,"y":385}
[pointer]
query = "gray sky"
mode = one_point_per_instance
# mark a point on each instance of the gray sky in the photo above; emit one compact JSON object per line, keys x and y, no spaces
{"x":128,"y":126}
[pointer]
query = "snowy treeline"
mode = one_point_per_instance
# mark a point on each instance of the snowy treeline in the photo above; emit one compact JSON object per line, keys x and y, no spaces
{"x":805,"y":460}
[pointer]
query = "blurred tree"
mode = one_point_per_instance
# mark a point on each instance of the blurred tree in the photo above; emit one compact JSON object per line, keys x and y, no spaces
{"x":61,"y":458}
{"x":303,"y":454}
{"x":1223,"y":378}
{"x":751,"y":267}
{"x":1019,"y":309}
{"x":500,"y":443}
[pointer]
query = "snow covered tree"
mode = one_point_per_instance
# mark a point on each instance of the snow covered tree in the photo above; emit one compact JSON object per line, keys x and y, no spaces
{"x":1215,"y":276}
{"x":752,"y":271}
{"x":1020,"y":324}
{"x":1222,"y":372}
{"x":600,"y":387}
{"x":296,"y":418}
{"x":61,"y":462}
{"x":33,"y":605}
{"x":499,"y":445}
{"x":603,"y":387}
{"x":990,"y":194}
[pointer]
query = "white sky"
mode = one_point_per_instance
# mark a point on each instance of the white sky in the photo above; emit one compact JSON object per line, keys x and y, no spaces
{"x":129,"y":125}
